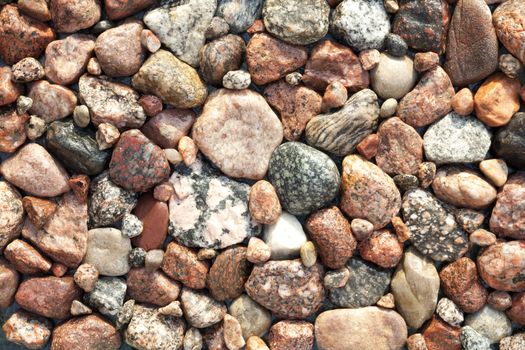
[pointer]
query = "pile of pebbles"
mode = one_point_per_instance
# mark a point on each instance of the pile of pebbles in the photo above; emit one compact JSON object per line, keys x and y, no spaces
{"x":262,"y":174}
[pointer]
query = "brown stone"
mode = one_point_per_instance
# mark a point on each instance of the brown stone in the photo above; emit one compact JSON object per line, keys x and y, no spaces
{"x":12,"y":131}
{"x":151,"y":287}
{"x":502,"y":266}
{"x":51,"y":102}
{"x":228,"y":274}
{"x":517,"y":311}
{"x":291,"y":335}
{"x":509,"y":21}
{"x":27,"y":330}
{"x":182,"y":264}
{"x":38,"y":9}
{"x":497,"y":100}
{"x":368,"y":146}
{"x":331,"y":234}
{"x":48,"y":296}
{"x":151,"y":104}
{"x":214,"y":337}
{"x":87,"y":332}
{"x":25,"y":258}
{"x":425,"y":61}
{"x":155,"y":217}
{"x":400,"y":148}
{"x":334,"y":96}
{"x":428,"y":101}
{"x":80,"y":186}
{"x":256,"y":27}
{"x":482,"y":237}
{"x":369,"y":58}
{"x":163,"y":191}
{"x":118,"y":9}
{"x":270,"y":59}
{"x":9,"y":91}
{"x":9,"y":278}
{"x":439,"y":335}
{"x":330,"y":62}
{"x":460,"y":283}
{"x":27,"y":70}
{"x":296,"y":106}
{"x":21,"y":36}
{"x":38,"y":210}
{"x":508,"y":215}
{"x":67,"y":59}
{"x":58,"y":269}
{"x":463,"y":102}
{"x":73,"y":15}
{"x":169,"y":126}
{"x":499,"y":300}
{"x":382,"y":248}
{"x":220,"y":56}
{"x":258,"y":251}
{"x":264,"y":204}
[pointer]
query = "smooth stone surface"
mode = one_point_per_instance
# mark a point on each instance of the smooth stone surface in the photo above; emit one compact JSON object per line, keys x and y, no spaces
{"x":154,"y":216}
{"x":264,"y":204}
{"x":490,"y":323}
{"x":501,"y":266}
{"x":108,"y":251}
{"x":497,"y":100}
{"x":51,"y":101}
{"x":11,"y":214}
{"x":254,"y":319}
{"x":239,"y":14}
{"x":393,"y":77}
{"x":509,"y":142}
{"x":285,"y":237}
{"x":118,"y":9}
{"x":151,"y":287}
{"x":71,"y":16}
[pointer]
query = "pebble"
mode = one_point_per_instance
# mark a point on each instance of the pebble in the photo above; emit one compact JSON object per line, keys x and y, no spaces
{"x":406,"y":182}
{"x":154,"y":287}
{"x":26,"y":70}
{"x":253,"y":319}
{"x":38,"y":9}
{"x":107,"y":296}
{"x":449,"y":312}
{"x":172,"y":309}
{"x":369,"y":58}
{"x":287,"y":288}
{"x":207,"y":253}
{"x":192,"y":339}
{"x":236,"y":80}
{"x":490,"y":323}
{"x":366,"y":328}
{"x":456,"y":139}
{"x":499,"y":300}
{"x":201,"y":310}
{"x":483,"y":238}
{"x":125,"y":313}
{"x":118,"y":9}
{"x":102,"y":26}
{"x":79,"y":309}
{"x":336,"y":278}
{"x":221,"y":56}
{"x":38,"y":210}
{"x":51,"y":102}
{"x":308,"y":254}
{"x":515,"y":342}
{"x":334,"y":96}
{"x":416,"y":342}
{"x":154,"y":216}
{"x":291,"y":171}
{"x":388,"y":108}
{"x":507,"y":215}
{"x":256,"y":343}
{"x":463,"y":102}
{"x":181,"y":264}
{"x":218,"y":27}
{"x":497,"y":100}
{"x":508,"y":143}
{"x":387,"y":301}
{"x":107,"y":251}
{"x":426,"y":173}
{"x":395,"y":45}
{"x":12,"y":135}
{"x":58,"y":269}
{"x":107,"y":135}
{"x":382,"y":248}
{"x":81,"y":116}
{"x":153,"y":259}
{"x":439,"y":335}
{"x":285,"y":238}
{"x":402,"y":230}
{"x":472,"y":340}
{"x":501,"y":265}
{"x":508,"y":19}
{"x":508,"y":64}
{"x":150,"y":41}
{"x":393,"y":77}
{"x":10,"y":279}
{"x":290,"y":334}
{"x":232,"y":333}
{"x":429,"y":101}
{"x":35,"y":127}
{"x":425,"y":61}
{"x":27,"y":330}
{"x":239,"y":15}
{"x":361,"y":229}
{"x":23,"y":104}
{"x":257,"y":251}
{"x":151,"y":104}
{"x":465,"y":62}
{"x":169,"y":126}
{"x":340,"y":132}
{"x":137,"y":257}
{"x":86,"y":276}
{"x":269,"y":59}
{"x":469,"y":219}
{"x":228,"y":273}
{"x":263,"y":203}
{"x":26,"y":259}
{"x":9,"y":90}
{"x":93,"y":67}
{"x":71,"y":16}
{"x":293,"y":78}
{"x":515,"y":313}
{"x":188,"y":151}
{"x":360,"y":25}
{"x":91,"y":331}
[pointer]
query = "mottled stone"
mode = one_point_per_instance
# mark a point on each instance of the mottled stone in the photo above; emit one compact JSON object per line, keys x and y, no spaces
{"x":26,"y":259}
{"x":118,"y":9}
{"x":509,"y":65}
{"x":490,"y":323}
{"x":499,"y":300}
{"x":86,"y":277}
{"x":263,"y":203}
{"x":285,"y":335}
{"x":416,"y":342}
{"x":38,"y":9}
{"x":449,"y":312}
{"x":516,"y":312}
{"x":393,"y":77}
{"x":213,"y":337}
{"x":181,"y":264}
{"x":50,"y":101}
{"x":91,"y":331}
{"x":221,"y":56}
{"x":508,"y":215}
{"x":9,"y":89}
{"x":425,"y":61}
{"x":256,"y":343}
{"x":508,"y":143}
{"x":201,"y":310}
{"x":239,"y":14}
{"x":308,"y":254}
{"x":108,"y":250}
{"x":334,"y":96}
{"x":515,"y":342}
{"x":70,"y":16}
{"x":369,"y":58}
{"x":107,"y":296}
{"x":496,"y":101}
{"x":169,"y":126}
{"x":151,"y":287}
{"x":93,"y":67}
{"x":509,"y":23}
{"x":236,"y":80}
{"x":502,"y":265}
{"x":382,"y":248}
{"x":9,"y":279}
{"x":483,"y":238}
{"x":218,"y":27}
{"x":12,"y":133}
{"x":25,"y":329}
{"x":227,"y":275}
{"x":472,"y":340}
{"x":395,"y":45}
{"x":439,"y":335}
{"x":254,"y":319}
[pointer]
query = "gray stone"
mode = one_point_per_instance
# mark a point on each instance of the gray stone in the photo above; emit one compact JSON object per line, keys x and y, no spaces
{"x":108,"y":295}
{"x":304,"y":178}
{"x":239,"y":14}
{"x":366,"y":285}
{"x":360,"y":24}
{"x":456,"y":139}
{"x":137,"y":257}
{"x":491,"y":323}
{"x":108,"y":251}
{"x":218,"y":27}
{"x":253,"y":318}
{"x":341,"y":131}
{"x":509,"y":142}
{"x":131,"y":226}
{"x":200,"y":310}
{"x":181,"y":26}
{"x":472,"y":340}
{"x":395,"y":45}
{"x":433,"y":229}
{"x":236,"y":80}
{"x":393,"y":77}
{"x":450,"y":312}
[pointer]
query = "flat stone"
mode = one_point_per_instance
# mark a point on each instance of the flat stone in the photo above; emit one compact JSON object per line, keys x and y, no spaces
{"x":200,"y":310}
{"x":393,"y":77}
{"x":507,"y":216}
{"x":285,"y":238}
{"x":497,"y":100}
{"x":169,"y":126}
{"x":9,"y":89}
{"x":229,"y":272}
{"x":509,"y":23}
{"x":70,"y":16}
{"x":107,"y":250}
{"x":221,"y":56}
{"x":151,"y":287}
{"x":490,"y":323}
{"x":27,"y":330}
{"x":439,"y":335}
{"x":11,"y":214}
{"x":239,"y":15}
{"x":107,"y":296}
{"x":254,"y":319}
{"x":182,"y":264}
{"x":51,"y":101}
{"x":508,"y":142}
{"x":291,"y":334}
{"x":118,"y":9}
{"x":9,"y":279}
{"x":501,"y":266}
{"x":26,"y":259}
{"x":154,"y":216}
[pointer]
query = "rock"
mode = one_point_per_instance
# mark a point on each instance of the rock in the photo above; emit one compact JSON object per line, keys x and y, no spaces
{"x":232,"y":333}
{"x":291,"y":170}
{"x":368,"y":147}
{"x":118,"y":9}
{"x":369,"y":58}
{"x":293,"y":78}
{"x":48,"y":296}
{"x":119,"y":51}
{"x":163,"y":191}
{"x":331,"y":233}
{"x":257,"y":251}
{"x":400,"y":148}
{"x":151,"y":104}
{"x":499,"y":300}
{"x":508,"y":21}
{"x":219,"y":223}
{"x":86,"y":277}
{"x":303,"y":288}
{"x":154,"y":216}
{"x":239,"y":15}
{"x":71,"y":16}
{"x":239,"y":147}
{"x":9,"y":89}
{"x":360,"y":25}
{"x":107,"y":296}
{"x":515,"y":312}
{"x":218,"y":27}
{"x":151,"y":287}
{"x":50,"y":101}
{"x":111,"y":102}
{"x":425,"y":61}
{"x":213,"y":337}
{"x":366,"y":285}
{"x":181,"y":264}
{"x":449,"y":312}
{"x":296,"y":106}
{"x":26,"y":259}
{"x":35,"y":127}
{"x":172,"y":309}
{"x":422,"y":24}
{"x":463,"y":102}
{"x":472,"y":340}
{"x":393,"y":77}
{"x":382,"y":248}
{"x":263,"y":203}
{"x":501,"y":266}
{"x":107,"y":251}
{"x":456,"y":139}
{"x":490,"y":323}
{"x":169,"y":126}
{"x":428,"y":101}
{"x":395,"y":45}
{"x":439,"y":335}
{"x":416,"y":342}
{"x":81,"y":116}
{"x":289,"y":334}
{"x":227,"y":275}
{"x":200,"y":310}
{"x":361,"y":229}
{"x":365,"y":328}
{"x":495,"y":170}
{"x":27,"y":330}
{"x":38,"y":9}
{"x":181,"y":27}
{"x":508,"y":143}
{"x":21,"y":36}
{"x":514,"y":342}
{"x":360,"y":196}
{"x":254,"y":320}
{"x":236,"y":80}
{"x":150,"y":330}
{"x":507,"y":216}
{"x":509,"y":65}
{"x":93,"y":67}
{"x":131,"y":226}
{"x":269,"y":59}
{"x":469,"y":219}
{"x":483,"y":238}
{"x":9,"y":278}
{"x":107,"y":135}
{"x":221,"y":56}
{"x":11,"y":214}
{"x":308,"y":254}
{"x":153,"y":259}
{"x":67,"y":59}
{"x":285,"y":238}
{"x":334,"y":96}
{"x":188,"y":152}
{"x":91,"y":331}
{"x":496,"y":101}
{"x":137,"y":257}
{"x":12,"y":134}
{"x":23,"y":104}
{"x":125,"y":313}
{"x":336,"y":278}
{"x":192,"y":339}
{"x":472,"y":46}
{"x":341,"y":131}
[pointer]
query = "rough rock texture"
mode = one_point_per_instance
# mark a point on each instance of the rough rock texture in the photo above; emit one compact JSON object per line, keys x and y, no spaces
{"x":491,"y":323}
{"x":201,"y":310}
{"x":264,"y":204}
{"x":9,"y":279}
{"x":239,"y":14}
{"x":508,"y":215}
{"x":289,"y":334}
{"x":12,"y":134}
{"x":51,"y":101}
{"x":118,"y":9}
{"x":27,"y":330}
{"x":229,"y":272}
{"x":11,"y":214}
{"x":181,"y":264}
{"x":9,"y":90}
{"x":254,"y":319}
{"x":439,"y":335}
{"x":508,"y":19}
{"x":220,"y":56}
{"x":108,"y":250}
{"x":382,"y":248}
{"x":509,"y":142}
{"x":151,"y":287}
{"x":497,"y":100}
{"x":26,"y":259}
{"x":71,"y":16}
{"x":502,"y":266}
{"x":92,"y":331}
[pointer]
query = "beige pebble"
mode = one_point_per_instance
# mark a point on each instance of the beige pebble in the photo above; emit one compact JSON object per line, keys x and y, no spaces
{"x":149,"y":40}
{"x":463,"y":102}
{"x":23,"y":104}
{"x":495,"y":170}
{"x":154,"y":259}
{"x":93,"y":67}
{"x":206,"y":254}
{"x":336,"y":278}
{"x":35,"y":127}
{"x":402,"y":231}
{"x":391,"y":6}
{"x":308,"y":254}
{"x":482,"y":237}
{"x":388,"y":108}
{"x":232,"y":333}
{"x":387,"y":301}
{"x":188,"y":150}
{"x":256,"y":343}
{"x":107,"y":135}
{"x":257,"y":251}
{"x":86,"y":276}
{"x":77,"y":309}
{"x":173,"y":156}
{"x":81,"y":116}
{"x":172,"y":309}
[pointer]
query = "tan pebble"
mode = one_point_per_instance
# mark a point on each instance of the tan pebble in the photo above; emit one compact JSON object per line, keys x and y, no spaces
{"x":497,"y":100}
{"x":150,"y":41}
{"x":172,"y":309}
{"x":163,"y":191}
{"x":192,"y":339}
{"x":81,"y":116}
{"x":258,"y":251}
{"x":495,"y":170}
{"x":361,"y":228}
{"x":173,"y":156}
{"x":416,"y":342}
{"x":86,"y":276}
{"x":264,"y":204}
{"x":368,"y":147}
{"x":336,"y":278}
{"x":107,"y":135}
{"x":25,"y":258}
{"x":426,"y":174}
{"x":424,"y":61}
{"x":256,"y":343}
{"x":391,"y":6}
{"x":308,"y":254}
{"x":388,"y":108}
{"x":232,"y":333}
{"x":77,"y":309}
{"x":154,"y":259}
{"x":188,"y":150}
{"x":35,"y":127}
{"x":206,"y":254}
{"x":387,"y":301}
{"x":93,"y":67}
{"x":482,"y":237}
{"x":463,"y":102}
{"x":335,"y":96}
{"x":402,"y":231}
{"x":369,"y":59}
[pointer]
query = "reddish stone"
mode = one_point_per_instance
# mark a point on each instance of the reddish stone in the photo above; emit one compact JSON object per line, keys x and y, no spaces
{"x":463,"y":102}
{"x":8,"y":283}
{"x":48,"y":296}
{"x":508,"y":215}
{"x":9,"y":91}
{"x":382,"y":248}
{"x":509,"y":21}
{"x":58,"y":269}
{"x":27,"y":330}
{"x":182,"y":264}
{"x":38,"y":210}
{"x":334,"y":96}
{"x":169,"y":126}
{"x":331,"y":234}
{"x":70,"y":16}
{"x":497,"y":100}
{"x":368,"y":146}
{"x":291,"y":335}
{"x":257,"y":27}
{"x":87,"y":332}
{"x":25,"y":258}
{"x":151,"y":104}
{"x":21,"y":36}
{"x":264,"y":204}
{"x":229,"y":272}
{"x":155,"y":218}
{"x":424,"y":61}
{"x":220,"y":56}
{"x":51,"y":101}
{"x":439,"y":335}
{"x":369,"y":58}
{"x":80,"y":186}
{"x":38,"y":9}
{"x":12,"y":131}
{"x":517,"y":311}
{"x":118,"y":9}
{"x":502,"y":266}
{"x":151,"y":287}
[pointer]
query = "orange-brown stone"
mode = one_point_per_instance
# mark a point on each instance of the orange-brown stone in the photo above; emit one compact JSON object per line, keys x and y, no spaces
{"x":497,"y":100}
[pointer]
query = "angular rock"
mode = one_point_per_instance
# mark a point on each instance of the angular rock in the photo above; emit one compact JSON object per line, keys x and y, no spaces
{"x":220,"y":56}
{"x":425,"y":61}
{"x":9,"y":89}
{"x":11,"y":214}
{"x":26,"y":259}
{"x":502,"y":266}
{"x":382,"y":248}
{"x":290,"y":334}
{"x":509,"y":23}
{"x":491,"y":323}
{"x":508,"y":215}
{"x":107,"y":296}
{"x":497,"y":100}
{"x":9,"y":279}
{"x":285,"y":238}
{"x":12,"y":133}
{"x":91,"y":331}
{"x":449,"y":312}
{"x":471,"y":339}
{"x":439,"y":335}
{"x":118,"y":9}
{"x":27,"y":330}
{"x":254,"y":319}
{"x":108,"y":250}
{"x":50,"y":101}
{"x":70,"y":16}
{"x":227,"y":275}
{"x":151,"y":287}
{"x":239,"y":15}
{"x":181,"y":264}
{"x":200,"y":310}
{"x":169,"y":126}
{"x":508,"y":142}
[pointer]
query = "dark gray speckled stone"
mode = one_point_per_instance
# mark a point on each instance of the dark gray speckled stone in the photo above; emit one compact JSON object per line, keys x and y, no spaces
{"x":239,"y":14}
{"x":108,"y":295}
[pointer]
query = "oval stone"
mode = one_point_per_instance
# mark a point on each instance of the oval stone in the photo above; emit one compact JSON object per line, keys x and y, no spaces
{"x":502,"y":266}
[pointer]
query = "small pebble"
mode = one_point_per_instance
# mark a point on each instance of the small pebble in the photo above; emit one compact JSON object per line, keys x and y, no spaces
{"x":508,"y":64}
{"x":256,"y":27}
{"x":172,"y":309}
{"x":188,"y":150}
{"x":232,"y":333}
{"x":308,"y":254}
{"x":258,"y":251}
{"x":406,"y":182}
{"x":151,"y":104}
{"x":391,"y":6}
{"x":416,"y":342}
{"x":81,"y":116}
{"x":482,"y":237}
{"x":150,"y":41}
{"x":395,"y":45}
{"x":361,"y":228}
{"x":294,"y":78}
{"x":236,"y":80}
{"x":470,"y":220}
{"x":495,"y":170}
{"x":172,"y":155}
{"x":402,"y":230}
{"x":368,"y":146}
{"x":154,"y":259}
{"x":449,"y":312}
{"x":163,"y":191}
{"x":206,"y":254}
{"x":387,"y":301}
{"x":102,"y":26}
{"x":388,"y":108}
{"x":137,"y":257}
{"x":192,"y":339}
{"x":59,"y":269}
{"x":499,"y":300}
{"x":125,"y":314}
{"x":27,"y":70}
{"x":425,"y":61}
{"x":263,"y":203}
{"x":86,"y":276}
{"x":131,"y":226}
{"x":23,"y":104}
{"x":334,"y":96}
{"x":256,"y":343}
{"x":93,"y":67}
{"x":369,"y":58}
{"x":35,"y":127}
{"x":217,"y":28}
{"x":426,"y":174}
{"x":107,"y":135}
{"x":78,"y":309}
{"x":336,"y":278}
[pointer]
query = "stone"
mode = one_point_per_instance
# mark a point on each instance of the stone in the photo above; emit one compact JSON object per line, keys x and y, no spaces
{"x":9,"y":89}
{"x":107,"y":135}
{"x":483,"y":238}
{"x":492,"y":324}
{"x":239,"y":15}
{"x":406,"y":182}
{"x":181,"y":264}
{"x":207,"y":253}
{"x":21,"y":36}
{"x":118,"y":9}
{"x":26,"y":259}
{"x":507,"y":215}
{"x":393,"y":77}
{"x":131,"y":226}
{"x":331,"y":233}
{"x":38,"y":9}
{"x":253,"y":319}
{"x":218,"y":27}
{"x":13,"y":134}
{"x":107,"y":250}
{"x":499,"y":300}
{"x":154,"y":216}
{"x":508,"y":22}
{"x":163,"y":191}
{"x":360,"y":25}
{"x":360,"y":196}
{"x":192,"y":339}
{"x":81,"y":116}
{"x":125,"y":313}
{"x":285,"y":238}
{"x":137,"y":257}
{"x":369,"y":58}
{"x":395,"y":45}
{"x":456,"y":139}
{"x":11,"y":214}
{"x":257,"y":251}
{"x":228,"y":273}
{"x":425,"y":61}
{"x":35,"y":127}
{"x":463,"y":102}
{"x":334,"y":96}
{"x":472,"y":46}
{"x":256,"y":343}
{"x":151,"y":104}
{"x":439,"y":335}
{"x":295,"y":104}
{"x":331,"y":62}
{"x":496,"y":101}
{"x":10,"y":279}
{"x":293,"y":78}
{"x":27,"y":330}
{"x":107,"y":296}
{"x":188,"y":152}
{"x":428,"y":101}
{"x":508,"y":143}
{"x":200,"y":310}
{"x":382,"y":248}
{"x":269,"y":59}
{"x":232,"y":333}
{"x":151,"y":287}
{"x":501,"y":266}
{"x":291,"y":171}
{"x":366,"y":328}
{"x":515,"y":312}
{"x":336,"y":278}
{"x":236,"y":80}
{"x":153,"y":259}
{"x":71,"y":16}
{"x":308,"y":254}
{"x":471,"y":339}
{"x":67,"y":59}
{"x":515,"y":342}
{"x":509,"y":65}
{"x":79,"y":309}
{"x":148,"y":329}
{"x":387,"y":301}
{"x":303,"y":286}
{"x":86,"y":277}
{"x":289,"y":334}
{"x":495,"y":170}
{"x":426,"y":173}
{"x":221,"y":56}
{"x":361,"y":229}
{"x":91,"y":331}
{"x":402,"y":230}
{"x":50,"y":101}
{"x":23,"y":104}
{"x":48,"y":296}
{"x":416,"y":342}
{"x":368,"y":146}
{"x":93,"y":67}
{"x":111,"y":102}
{"x":263,"y":203}
{"x":449,"y":312}
{"x":172,"y":309}
{"x":169,"y":126}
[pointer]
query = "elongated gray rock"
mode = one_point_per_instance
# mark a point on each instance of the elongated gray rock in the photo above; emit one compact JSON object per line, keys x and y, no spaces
{"x":239,"y":14}
{"x":340,"y":132}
